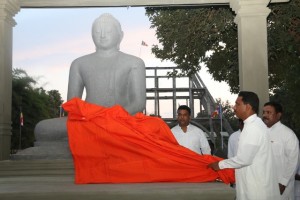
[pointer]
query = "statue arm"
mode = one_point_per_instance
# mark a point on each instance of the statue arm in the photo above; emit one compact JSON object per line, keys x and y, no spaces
{"x":137,"y":91}
{"x":75,"y":84}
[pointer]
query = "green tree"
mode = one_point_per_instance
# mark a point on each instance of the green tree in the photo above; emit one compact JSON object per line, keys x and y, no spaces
{"x":34,"y":103}
{"x":229,"y":115}
{"x":192,"y":35}
{"x":55,"y":102}
{"x":21,"y":84}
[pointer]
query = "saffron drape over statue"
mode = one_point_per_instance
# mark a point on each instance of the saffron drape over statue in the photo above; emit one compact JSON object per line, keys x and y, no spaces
{"x":111,"y":146}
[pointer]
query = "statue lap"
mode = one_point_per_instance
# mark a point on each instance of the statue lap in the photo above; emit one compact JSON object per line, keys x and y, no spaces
{"x":51,"y":130}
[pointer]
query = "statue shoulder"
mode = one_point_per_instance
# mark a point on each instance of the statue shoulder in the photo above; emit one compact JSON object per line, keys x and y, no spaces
{"x":132,"y":59}
{"x":81,"y":61}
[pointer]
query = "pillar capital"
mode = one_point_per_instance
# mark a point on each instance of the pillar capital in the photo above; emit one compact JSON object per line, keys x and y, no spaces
{"x":250,"y":7}
{"x":8,"y":9}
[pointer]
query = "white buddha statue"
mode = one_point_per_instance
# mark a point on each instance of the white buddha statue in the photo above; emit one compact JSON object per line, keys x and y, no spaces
{"x":108,"y":75}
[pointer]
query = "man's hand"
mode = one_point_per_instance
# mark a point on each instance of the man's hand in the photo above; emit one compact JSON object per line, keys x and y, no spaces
{"x":214,"y":166}
{"x":281,"y":188}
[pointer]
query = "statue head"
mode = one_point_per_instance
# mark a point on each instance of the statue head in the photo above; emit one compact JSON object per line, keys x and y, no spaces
{"x":107,"y":32}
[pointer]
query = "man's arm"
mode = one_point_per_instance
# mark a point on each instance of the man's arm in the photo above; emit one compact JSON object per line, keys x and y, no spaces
{"x":291,"y":151}
{"x":248,"y":148}
{"x":205,"y":148}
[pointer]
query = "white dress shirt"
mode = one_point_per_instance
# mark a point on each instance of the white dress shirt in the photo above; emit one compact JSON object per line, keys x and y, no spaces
{"x":193,"y":139}
{"x":285,"y":147}
{"x":233,"y":143}
{"x":255,"y":175}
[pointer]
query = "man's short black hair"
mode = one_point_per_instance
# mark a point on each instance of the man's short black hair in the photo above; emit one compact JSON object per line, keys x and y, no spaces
{"x":277,"y":106}
{"x":184,"y":107}
{"x":251,"y":98}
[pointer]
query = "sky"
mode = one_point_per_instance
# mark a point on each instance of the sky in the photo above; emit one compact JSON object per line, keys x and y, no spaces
{"x":46,"y":41}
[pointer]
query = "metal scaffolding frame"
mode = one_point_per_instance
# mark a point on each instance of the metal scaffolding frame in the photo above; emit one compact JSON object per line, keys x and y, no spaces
{"x":194,"y":92}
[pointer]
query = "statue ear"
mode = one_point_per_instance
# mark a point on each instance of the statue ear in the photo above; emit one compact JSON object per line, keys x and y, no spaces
{"x":121,"y":36}
{"x":120,"y":39}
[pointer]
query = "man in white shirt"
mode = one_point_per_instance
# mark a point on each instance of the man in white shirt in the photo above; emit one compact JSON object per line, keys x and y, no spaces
{"x":285,"y":147}
{"x":233,"y":140}
{"x":188,"y":135}
{"x":253,"y":164}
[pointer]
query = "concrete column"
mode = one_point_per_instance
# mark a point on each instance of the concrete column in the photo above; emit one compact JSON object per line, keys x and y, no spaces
{"x":251,"y":18}
{"x":8,"y":8}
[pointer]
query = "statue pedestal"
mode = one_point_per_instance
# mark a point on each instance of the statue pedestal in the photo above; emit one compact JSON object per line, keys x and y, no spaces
{"x":54,"y":179}
{"x":45,"y":150}
{"x":52,"y":141}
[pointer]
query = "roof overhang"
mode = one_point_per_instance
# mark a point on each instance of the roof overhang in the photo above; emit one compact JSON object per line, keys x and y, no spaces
{"x":121,"y":3}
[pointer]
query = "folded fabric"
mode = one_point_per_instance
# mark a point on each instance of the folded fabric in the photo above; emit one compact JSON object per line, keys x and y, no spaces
{"x":111,"y":146}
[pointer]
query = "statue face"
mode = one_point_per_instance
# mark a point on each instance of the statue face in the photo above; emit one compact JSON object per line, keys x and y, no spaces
{"x":105,"y":35}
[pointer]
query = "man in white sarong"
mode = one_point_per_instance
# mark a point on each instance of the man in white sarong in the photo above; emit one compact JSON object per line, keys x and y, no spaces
{"x":255,"y":175}
{"x":285,"y":147}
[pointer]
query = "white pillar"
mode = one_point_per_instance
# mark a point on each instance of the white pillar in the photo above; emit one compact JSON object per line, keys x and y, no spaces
{"x":8,"y":8}
{"x":251,"y":18}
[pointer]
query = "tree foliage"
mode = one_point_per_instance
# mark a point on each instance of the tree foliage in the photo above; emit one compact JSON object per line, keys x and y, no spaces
{"x":34,"y":103}
{"x":189,"y":36}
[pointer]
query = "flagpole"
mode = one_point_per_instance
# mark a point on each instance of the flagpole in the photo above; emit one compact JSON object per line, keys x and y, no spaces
{"x":221,"y":124}
{"x":20,"y":134}
{"x":221,"y":116}
{"x":60,"y":111}
{"x":140,"y":51}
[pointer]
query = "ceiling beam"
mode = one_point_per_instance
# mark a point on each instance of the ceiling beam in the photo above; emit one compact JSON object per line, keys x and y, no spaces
{"x":120,"y":3}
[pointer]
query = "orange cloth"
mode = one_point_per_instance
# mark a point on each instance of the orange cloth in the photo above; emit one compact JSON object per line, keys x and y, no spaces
{"x":111,"y":146}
